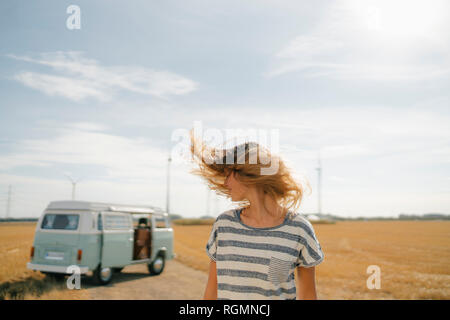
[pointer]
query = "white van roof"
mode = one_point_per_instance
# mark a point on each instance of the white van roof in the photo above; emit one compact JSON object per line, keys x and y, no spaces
{"x":99,"y":206}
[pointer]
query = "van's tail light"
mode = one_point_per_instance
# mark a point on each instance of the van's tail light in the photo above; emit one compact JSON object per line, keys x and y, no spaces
{"x":32,"y":252}
{"x":80,"y":254}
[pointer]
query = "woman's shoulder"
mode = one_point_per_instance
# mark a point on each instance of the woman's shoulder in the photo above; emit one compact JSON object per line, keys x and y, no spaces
{"x":227,"y":215}
{"x":301,"y":222}
{"x":298,"y":217}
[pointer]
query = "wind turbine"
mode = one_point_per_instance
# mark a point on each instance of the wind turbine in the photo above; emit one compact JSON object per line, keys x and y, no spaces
{"x":74,"y":184}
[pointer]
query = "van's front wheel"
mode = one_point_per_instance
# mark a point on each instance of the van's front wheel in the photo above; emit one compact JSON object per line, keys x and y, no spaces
{"x":157,"y":265}
{"x":118,"y":270}
{"x":103,"y":275}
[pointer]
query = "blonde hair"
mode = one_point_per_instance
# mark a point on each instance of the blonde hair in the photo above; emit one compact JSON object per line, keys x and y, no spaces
{"x":213,"y":164}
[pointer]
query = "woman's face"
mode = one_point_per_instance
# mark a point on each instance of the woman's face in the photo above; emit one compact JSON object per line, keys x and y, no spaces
{"x":236,"y":188}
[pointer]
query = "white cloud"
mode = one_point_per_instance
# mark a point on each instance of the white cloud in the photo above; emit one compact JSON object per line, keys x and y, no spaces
{"x":79,"y":78}
{"x":74,"y":89}
{"x":85,"y":144}
{"x":88,"y":126}
{"x":308,"y":45}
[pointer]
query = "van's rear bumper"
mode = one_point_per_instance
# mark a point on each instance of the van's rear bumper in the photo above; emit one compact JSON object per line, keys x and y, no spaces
{"x":56,"y":269}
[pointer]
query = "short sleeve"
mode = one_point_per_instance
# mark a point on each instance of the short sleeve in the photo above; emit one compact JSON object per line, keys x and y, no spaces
{"x":311,"y":253}
{"x":211,"y":245}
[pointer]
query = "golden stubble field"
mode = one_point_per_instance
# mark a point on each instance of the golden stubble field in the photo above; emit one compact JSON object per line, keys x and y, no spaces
{"x":16,"y":281}
{"x":414,"y":258}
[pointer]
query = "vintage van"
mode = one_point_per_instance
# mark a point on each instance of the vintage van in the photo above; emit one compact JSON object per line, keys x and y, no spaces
{"x":100,"y":238}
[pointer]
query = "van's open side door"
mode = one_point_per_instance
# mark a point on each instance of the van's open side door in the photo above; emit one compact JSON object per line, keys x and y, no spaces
{"x":117,"y":239}
{"x":162,"y":237}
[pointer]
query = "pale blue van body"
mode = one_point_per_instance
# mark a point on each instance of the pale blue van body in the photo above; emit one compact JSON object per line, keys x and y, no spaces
{"x":103,"y":232}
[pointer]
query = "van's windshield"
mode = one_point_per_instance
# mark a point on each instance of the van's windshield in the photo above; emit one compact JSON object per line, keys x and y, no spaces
{"x":60,"y":221}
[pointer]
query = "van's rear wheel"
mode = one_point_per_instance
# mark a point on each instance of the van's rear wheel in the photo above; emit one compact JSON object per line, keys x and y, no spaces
{"x":103,"y":275}
{"x":157,"y":265}
{"x":55,"y":276}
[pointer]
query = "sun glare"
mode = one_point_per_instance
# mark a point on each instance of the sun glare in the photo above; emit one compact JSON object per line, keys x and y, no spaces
{"x":401,"y":18}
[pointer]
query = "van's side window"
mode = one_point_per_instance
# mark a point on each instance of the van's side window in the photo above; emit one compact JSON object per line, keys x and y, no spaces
{"x":99,"y":222}
{"x":116,"y":222}
{"x":161,"y":222}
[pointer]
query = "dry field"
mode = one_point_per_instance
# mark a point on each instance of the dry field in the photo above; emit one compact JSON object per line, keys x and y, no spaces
{"x":414,"y":257}
{"x":16,"y":281}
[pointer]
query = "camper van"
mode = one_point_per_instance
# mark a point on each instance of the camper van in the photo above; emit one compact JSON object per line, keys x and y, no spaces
{"x":100,"y":238}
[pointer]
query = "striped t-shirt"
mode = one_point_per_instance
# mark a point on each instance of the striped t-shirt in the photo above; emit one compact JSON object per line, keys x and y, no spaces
{"x":259,"y":263}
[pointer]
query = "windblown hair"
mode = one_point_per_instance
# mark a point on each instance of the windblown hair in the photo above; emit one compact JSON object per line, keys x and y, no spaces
{"x":248,"y":161}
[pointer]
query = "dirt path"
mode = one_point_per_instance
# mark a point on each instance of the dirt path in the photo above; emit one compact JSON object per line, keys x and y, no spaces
{"x":176,"y":282}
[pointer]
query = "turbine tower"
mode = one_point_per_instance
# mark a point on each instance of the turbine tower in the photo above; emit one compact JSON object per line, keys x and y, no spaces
{"x":168,"y":185}
{"x":208,"y":200}
{"x":319,"y":186}
{"x":8,"y":204}
{"x":74,"y":184}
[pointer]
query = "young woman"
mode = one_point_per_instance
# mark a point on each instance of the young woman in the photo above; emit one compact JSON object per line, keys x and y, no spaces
{"x":256,"y":248}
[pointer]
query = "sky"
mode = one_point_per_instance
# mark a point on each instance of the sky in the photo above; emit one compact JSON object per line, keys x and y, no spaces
{"x":365,"y":84}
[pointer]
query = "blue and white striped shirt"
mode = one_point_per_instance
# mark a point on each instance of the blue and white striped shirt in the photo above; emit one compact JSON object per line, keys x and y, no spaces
{"x":259,"y":263}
